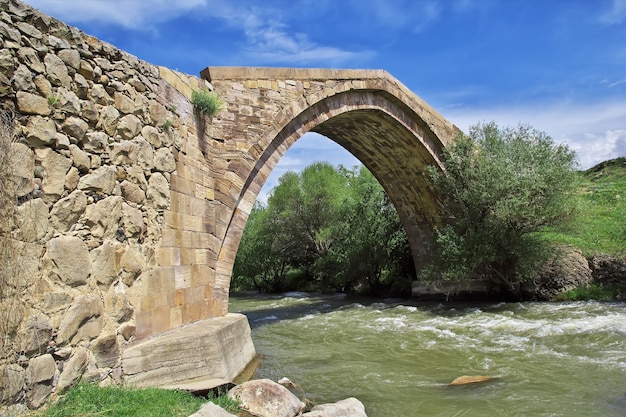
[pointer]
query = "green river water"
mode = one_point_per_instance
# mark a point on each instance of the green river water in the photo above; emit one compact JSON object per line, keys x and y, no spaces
{"x":397,"y":357}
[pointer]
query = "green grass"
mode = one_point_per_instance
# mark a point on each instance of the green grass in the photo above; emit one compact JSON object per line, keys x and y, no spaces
{"x":590,"y":292}
{"x":206,"y":102}
{"x":87,"y":400}
{"x":600,"y":225}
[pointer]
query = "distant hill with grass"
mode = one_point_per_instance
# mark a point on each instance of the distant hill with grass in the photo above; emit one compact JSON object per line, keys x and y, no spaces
{"x":600,"y":227}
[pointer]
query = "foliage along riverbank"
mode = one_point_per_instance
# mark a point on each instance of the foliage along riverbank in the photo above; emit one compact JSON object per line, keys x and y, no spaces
{"x":334,"y":229}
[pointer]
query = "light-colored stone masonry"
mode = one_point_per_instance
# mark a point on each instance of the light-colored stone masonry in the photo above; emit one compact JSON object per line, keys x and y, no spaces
{"x":132,"y":204}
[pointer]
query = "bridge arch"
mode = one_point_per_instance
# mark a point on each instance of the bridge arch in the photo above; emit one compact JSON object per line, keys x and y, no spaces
{"x":388,"y":128}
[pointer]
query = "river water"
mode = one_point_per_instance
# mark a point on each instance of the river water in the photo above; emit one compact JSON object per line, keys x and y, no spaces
{"x":398,"y":357}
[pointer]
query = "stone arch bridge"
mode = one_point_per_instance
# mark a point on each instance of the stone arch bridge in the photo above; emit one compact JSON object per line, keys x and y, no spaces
{"x":226,"y":159}
{"x":130,"y":204}
{"x":223,"y":166}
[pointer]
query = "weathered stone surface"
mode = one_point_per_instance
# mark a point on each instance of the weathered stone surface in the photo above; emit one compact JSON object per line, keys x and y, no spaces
{"x":471,"y":379}
{"x":145,"y":153}
{"x":73,"y":370}
{"x":103,"y":265}
{"x":211,"y":410}
{"x":158,"y":193}
{"x":37,"y":394}
{"x":70,"y":259}
{"x":32,"y":104}
{"x":22,"y":160}
{"x":30,"y":58}
{"x":13,"y":378}
{"x":129,"y":126}
{"x":350,"y":407}
{"x":40,"y":131}
{"x":67,"y":101}
{"x":130,"y":265}
{"x":56,"y":71}
{"x":152,"y":135}
{"x":103,"y":218}
{"x":123,"y":153}
{"x":40,"y":369}
{"x":607,"y":269}
{"x":132,"y":192}
{"x":106,"y":351}
{"x":23,"y":80}
{"x":96,"y":142}
{"x":266,"y":398}
{"x":55,"y":168}
{"x":109,"y":119}
{"x":202,"y":355}
{"x":101,"y":180}
{"x":33,"y":220}
{"x":70,"y":57}
{"x":83,"y":320}
{"x":132,"y":220}
{"x":164,"y":160}
{"x":80,"y":159}
{"x":569,"y":270}
{"x":75,"y":127}
{"x":35,"y":336}
{"x":127,"y":330}
{"x":66,"y":212}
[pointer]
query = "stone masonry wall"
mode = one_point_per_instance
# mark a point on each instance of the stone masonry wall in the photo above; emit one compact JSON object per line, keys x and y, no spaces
{"x":99,"y":135}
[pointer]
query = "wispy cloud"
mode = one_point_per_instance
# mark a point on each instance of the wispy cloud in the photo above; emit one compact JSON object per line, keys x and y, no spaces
{"x":266,"y":34}
{"x":596,"y":131}
{"x":131,"y":14}
{"x":616,"y":15}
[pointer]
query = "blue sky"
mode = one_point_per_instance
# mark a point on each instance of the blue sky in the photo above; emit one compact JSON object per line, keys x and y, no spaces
{"x":558,"y":65}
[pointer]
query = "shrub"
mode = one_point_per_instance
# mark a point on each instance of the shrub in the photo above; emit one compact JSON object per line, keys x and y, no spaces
{"x":206,"y":102}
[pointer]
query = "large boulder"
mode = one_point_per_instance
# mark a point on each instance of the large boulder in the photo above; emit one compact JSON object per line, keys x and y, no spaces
{"x":567,"y":271}
{"x":350,"y":407}
{"x":607,"y":269}
{"x":266,"y":398}
{"x":69,"y":259}
{"x":211,"y":410}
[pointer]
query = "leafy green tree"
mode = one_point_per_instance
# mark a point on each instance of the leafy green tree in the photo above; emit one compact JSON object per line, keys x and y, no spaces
{"x":324,"y":229}
{"x":257,"y":264}
{"x":502,"y":187}
{"x":375,"y":251}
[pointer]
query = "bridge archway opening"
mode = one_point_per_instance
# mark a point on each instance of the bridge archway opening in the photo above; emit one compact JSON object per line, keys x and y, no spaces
{"x":384,"y":135}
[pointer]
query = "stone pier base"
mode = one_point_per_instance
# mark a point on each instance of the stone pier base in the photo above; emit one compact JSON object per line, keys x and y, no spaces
{"x":196,"y":357}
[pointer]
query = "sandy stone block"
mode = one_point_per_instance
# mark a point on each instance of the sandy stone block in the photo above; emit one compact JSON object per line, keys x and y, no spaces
{"x":182,"y":276}
{"x":176,"y":316}
{"x":187,"y":256}
{"x":179,"y":297}
{"x":168,"y":256}
{"x":143,"y":322}
{"x":182,"y":185}
{"x":160,"y":319}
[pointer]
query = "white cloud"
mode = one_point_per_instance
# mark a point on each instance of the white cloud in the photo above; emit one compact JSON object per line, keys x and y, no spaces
{"x":132,"y":14}
{"x":596,"y":131}
{"x":616,"y":15}
{"x":267,"y":38}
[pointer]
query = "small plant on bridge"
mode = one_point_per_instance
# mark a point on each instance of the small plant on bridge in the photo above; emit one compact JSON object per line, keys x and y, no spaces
{"x":206,"y":102}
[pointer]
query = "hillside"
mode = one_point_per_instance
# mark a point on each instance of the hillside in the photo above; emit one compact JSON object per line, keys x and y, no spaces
{"x":600,"y":227}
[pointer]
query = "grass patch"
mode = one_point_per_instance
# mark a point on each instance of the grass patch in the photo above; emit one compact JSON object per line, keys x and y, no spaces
{"x":206,"y":102}
{"x":88,"y":400}
{"x":600,"y":226}
{"x":590,"y":292}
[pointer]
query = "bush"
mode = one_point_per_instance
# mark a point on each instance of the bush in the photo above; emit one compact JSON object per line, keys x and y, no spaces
{"x":206,"y":102}
{"x":503,"y":189}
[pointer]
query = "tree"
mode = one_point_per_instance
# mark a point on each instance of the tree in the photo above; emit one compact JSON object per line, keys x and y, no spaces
{"x":502,"y":188}
{"x":374,"y":251}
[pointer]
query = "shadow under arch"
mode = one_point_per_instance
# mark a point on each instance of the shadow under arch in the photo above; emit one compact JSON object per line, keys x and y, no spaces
{"x":390,"y":138}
